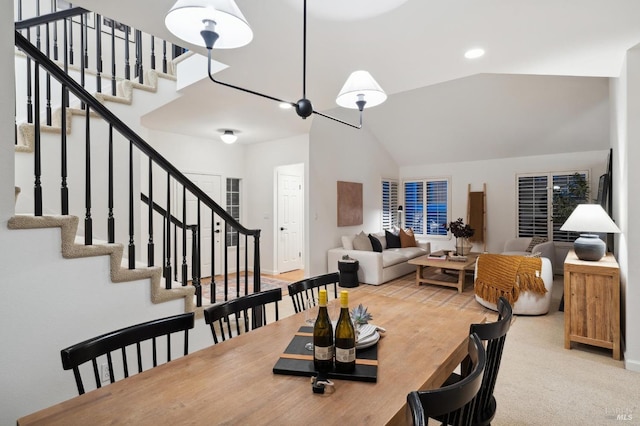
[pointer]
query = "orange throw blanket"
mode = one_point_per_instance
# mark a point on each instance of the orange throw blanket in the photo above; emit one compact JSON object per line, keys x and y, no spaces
{"x":508,"y":276}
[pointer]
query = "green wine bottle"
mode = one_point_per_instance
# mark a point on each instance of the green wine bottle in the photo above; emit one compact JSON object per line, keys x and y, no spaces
{"x":323,"y":336}
{"x":345,"y":338}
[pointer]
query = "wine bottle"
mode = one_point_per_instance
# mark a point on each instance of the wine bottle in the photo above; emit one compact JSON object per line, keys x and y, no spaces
{"x":323,"y":336}
{"x":345,"y":338}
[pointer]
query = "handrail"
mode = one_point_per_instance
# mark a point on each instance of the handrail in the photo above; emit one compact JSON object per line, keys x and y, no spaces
{"x":163,"y":212}
{"x":32,"y":51}
{"x":50,"y":17}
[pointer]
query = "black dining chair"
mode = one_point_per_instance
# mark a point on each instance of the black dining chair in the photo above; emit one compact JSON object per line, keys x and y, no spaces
{"x":452,"y":404}
{"x":100,"y":348}
{"x":304,"y":290}
{"x":494,"y":334}
{"x":251,"y":307}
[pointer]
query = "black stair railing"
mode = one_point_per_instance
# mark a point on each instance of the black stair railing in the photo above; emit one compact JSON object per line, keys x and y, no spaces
{"x":119,"y":163}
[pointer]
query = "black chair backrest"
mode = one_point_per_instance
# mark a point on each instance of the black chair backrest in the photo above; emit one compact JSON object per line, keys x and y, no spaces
{"x":452,"y":404}
{"x":255,"y":303}
{"x":495,"y":334}
{"x":304,"y":290}
{"x":90,"y":350}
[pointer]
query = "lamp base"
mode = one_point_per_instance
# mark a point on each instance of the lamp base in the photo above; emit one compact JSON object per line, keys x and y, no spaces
{"x":589,"y":247}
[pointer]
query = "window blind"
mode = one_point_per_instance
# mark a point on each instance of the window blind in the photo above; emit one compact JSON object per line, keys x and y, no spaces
{"x":389,"y":203}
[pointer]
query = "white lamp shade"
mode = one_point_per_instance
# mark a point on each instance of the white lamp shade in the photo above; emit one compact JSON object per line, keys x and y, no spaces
{"x":228,"y":137}
{"x":590,"y":218}
{"x":360,"y":83}
{"x":184,"y":20}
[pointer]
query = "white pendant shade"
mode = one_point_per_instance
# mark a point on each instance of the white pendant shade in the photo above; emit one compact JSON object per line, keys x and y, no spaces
{"x":185,"y":21}
{"x":360,"y":83}
{"x":590,"y":218}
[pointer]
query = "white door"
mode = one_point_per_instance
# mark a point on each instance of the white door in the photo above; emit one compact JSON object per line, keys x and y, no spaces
{"x":210,"y":238}
{"x":289,"y":223}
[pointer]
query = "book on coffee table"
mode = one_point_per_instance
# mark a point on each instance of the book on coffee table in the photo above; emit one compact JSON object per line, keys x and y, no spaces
{"x":437,"y":255}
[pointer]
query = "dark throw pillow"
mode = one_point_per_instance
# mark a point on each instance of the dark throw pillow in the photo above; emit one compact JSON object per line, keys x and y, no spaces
{"x":393,"y":241}
{"x":375,"y":243}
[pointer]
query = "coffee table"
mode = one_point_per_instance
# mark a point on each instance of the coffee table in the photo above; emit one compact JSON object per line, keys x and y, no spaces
{"x":427,"y":270}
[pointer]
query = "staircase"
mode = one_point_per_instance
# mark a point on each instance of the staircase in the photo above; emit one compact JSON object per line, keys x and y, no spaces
{"x":109,"y":192}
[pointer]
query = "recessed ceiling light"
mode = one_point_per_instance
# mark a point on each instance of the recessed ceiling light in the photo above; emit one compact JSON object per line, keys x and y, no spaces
{"x":474,"y":53}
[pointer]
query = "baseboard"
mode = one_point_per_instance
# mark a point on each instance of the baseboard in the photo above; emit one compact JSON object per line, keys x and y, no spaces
{"x":632,"y":365}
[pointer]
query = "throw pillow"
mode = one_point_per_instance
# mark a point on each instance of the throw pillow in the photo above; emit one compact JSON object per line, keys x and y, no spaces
{"x":407,"y":239}
{"x":535,"y":241}
{"x":347,"y":242}
{"x":393,"y":241}
{"x":375,"y":243}
{"x":362,"y":242}
{"x":383,"y":241}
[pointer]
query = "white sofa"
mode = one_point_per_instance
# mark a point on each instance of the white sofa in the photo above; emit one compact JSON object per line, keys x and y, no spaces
{"x":528,"y":303}
{"x":518,"y":246}
{"x":377,"y":268}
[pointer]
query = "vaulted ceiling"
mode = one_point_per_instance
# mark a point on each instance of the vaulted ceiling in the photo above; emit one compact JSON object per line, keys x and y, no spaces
{"x":541,"y":88}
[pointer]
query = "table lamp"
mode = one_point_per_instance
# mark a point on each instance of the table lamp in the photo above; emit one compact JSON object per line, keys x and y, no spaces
{"x":589,"y":219}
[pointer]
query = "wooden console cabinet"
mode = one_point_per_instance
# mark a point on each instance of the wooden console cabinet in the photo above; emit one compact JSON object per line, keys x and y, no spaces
{"x":592,"y":302}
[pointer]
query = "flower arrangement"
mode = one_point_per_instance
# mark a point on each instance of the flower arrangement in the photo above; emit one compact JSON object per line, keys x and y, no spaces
{"x":459,"y":229}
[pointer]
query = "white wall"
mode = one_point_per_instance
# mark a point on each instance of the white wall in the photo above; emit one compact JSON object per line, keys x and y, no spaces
{"x":500,"y":178}
{"x":625,"y":137}
{"x":261,"y":161}
{"x":339,"y":153}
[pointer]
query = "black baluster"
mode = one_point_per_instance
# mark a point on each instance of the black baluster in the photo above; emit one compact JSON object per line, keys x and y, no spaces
{"x":150,"y":244}
{"x":153,"y":53}
{"x":70,"y":41}
{"x":226,"y":262}
{"x":85,"y":35}
{"x":111,"y":224}
{"x":83,"y":59}
{"x":29,"y":93}
{"x":37,"y":193}
{"x":65,"y":103}
{"x":213,"y":254}
{"x":164,"y":56}
{"x":99,"y":53}
{"x":88,"y":221}
{"x":113,"y":60}
{"x":55,"y":32}
{"x":132,"y":245}
{"x":238,"y":271}
{"x":48,"y":80}
{"x":64,"y":190}
{"x":167,"y":267}
{"x":256,"y":262}
{"x":139,"y":73}
{"x":195,"y":255}
{"x":127,"y":66}
{"x":38,"y":27}
{"x":246,"y":261}
{"x":197,"y":261}
{"x":175,"y":251}
{"x":184,"y":236}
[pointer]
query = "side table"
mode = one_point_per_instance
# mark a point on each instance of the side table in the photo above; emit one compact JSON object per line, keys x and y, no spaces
{"x":592,"y":303}
{"x":348,"y":273}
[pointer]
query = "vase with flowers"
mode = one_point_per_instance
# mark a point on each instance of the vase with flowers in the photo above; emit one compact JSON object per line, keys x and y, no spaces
{"x":462,"y":232}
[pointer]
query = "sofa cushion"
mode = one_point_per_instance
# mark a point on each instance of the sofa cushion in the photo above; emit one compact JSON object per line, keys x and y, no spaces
{"x":362,"y":242}
{"x":535,"y":241}
{"x":393,"y":241}
{"x":407,"y":238}
{"x":347,"y":241}
{"x":375,"y":243}
{"x":392,"y":257}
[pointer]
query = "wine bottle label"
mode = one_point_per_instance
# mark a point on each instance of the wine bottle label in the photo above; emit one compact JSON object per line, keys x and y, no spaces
{"x":345,"y":355}
{"x":323,"y":353}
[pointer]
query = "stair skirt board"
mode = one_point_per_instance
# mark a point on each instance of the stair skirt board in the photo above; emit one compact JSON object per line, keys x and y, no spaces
{"x":70,"y":250}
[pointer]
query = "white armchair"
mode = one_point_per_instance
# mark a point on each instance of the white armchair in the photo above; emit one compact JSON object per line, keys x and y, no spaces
{"x":518,"y":246}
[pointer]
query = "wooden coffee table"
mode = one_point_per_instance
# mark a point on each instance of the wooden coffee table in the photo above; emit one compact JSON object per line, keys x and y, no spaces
{"x":434,"y":271}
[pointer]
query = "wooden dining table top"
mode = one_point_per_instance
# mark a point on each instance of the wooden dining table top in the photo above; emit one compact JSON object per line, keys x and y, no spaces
{"x":233,"y":383}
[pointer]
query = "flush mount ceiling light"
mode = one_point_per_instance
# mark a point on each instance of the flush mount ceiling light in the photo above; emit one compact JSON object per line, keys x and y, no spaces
{"x":474,"y":53}
{"x":228,"y":137}
{"x":220,"y":23}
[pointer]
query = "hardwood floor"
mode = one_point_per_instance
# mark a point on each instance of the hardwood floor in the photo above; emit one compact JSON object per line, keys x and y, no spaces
{"x":292,"y":276}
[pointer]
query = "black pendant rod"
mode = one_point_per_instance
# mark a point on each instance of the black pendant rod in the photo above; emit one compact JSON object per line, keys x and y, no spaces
{"x":303,"y":107}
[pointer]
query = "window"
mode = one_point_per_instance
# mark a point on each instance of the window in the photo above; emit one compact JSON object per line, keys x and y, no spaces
{"x":539,"y":202}
{"x":427,"y":206}
{"x":233,"y":208}
{"x":389,"y":203}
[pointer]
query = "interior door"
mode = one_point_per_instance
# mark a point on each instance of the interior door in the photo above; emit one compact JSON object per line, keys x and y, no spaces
{"x":210,"y":237}
{"x":289,"y":223}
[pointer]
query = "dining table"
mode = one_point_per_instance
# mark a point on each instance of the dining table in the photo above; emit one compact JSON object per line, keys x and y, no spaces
{"x":233,"y":383}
